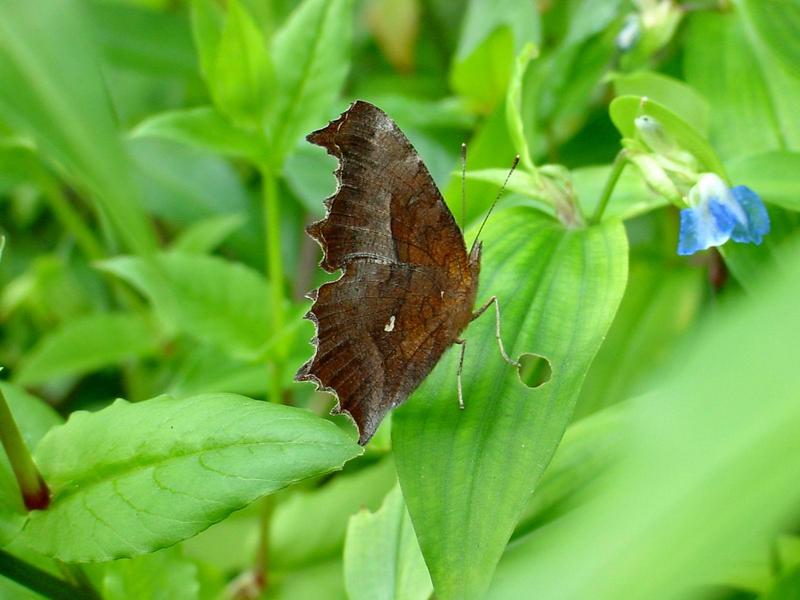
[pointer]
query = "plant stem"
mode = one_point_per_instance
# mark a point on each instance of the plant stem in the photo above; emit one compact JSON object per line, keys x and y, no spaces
{"x":40,"y":581}
{"x":34,"y":490}
{"x":616,"y":170}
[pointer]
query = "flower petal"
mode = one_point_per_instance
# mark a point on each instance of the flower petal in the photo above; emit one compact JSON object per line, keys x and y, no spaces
{"x":757,"y":220}
{"x":704,"y":226}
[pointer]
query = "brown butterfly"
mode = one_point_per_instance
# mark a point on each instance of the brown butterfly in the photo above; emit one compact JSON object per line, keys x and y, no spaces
{"x":408,"y":285}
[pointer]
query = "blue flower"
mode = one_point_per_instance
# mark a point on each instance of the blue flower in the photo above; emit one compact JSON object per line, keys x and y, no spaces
{"x":718,"y":213}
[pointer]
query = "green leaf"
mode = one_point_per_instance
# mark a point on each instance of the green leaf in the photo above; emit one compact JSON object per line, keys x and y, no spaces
{"x":87,"y":344}
{"x":482,"y":77}
{"x":133,"y":478}
{"x":209,"y":298}
{"x":659,"y":306}
{"x":312,"y":57}
{"x":296,"y":541}
{"x":625,"y":109}
{"x":674,"y":94}
{"x":484,"y":18}
{"x":750,"y":95}
{"x":182,"y":184}
{"x":206,"y":128}
{"x":466,"y":475}
{"x":777,"y":22}
{"x":749,"y":262}
{"x":773,"y":175}
{"x":382,"y":559}
{"x":208,"y":21}
{"x":583,"y":455}
{"x":204,"y":236}
{"x":243,"y":77}
{"x":209,"y":369}
{"x":44,"y":50}
{"x":34,"y":418}
{"x":721,"y":425}
{"x":516,"y":128}
{"x":163,"y":575}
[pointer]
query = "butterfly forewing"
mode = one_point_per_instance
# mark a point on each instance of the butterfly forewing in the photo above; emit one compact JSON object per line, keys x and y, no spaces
{"x":408,"y":286}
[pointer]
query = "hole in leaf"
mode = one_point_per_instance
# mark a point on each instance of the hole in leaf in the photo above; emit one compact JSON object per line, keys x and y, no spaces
{"x":535,"y":370}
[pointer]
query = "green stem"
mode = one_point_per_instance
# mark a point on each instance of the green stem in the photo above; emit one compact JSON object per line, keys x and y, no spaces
{"x":616,"y":170}
{"x":34,"y":490}
{"x":41,"y":581}
{"x":272,"y":231}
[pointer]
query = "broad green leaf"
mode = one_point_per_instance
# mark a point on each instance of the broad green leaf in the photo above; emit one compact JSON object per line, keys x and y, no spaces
{"x":183,"y":184}
{"x":204,"y":236}
{"x":206,"y":128}
{"x":625,"y":109}
{"x":382,"y":559}
{"x":34,"y":418}
{"x":467,"y":475}
{"x":133,"y":478}
{"x":209,"y":298}
{"x":45,"y":48}
{"x":657,"y":310}
{"x":243,"y":77}
{"x":674,"y":94}
{"x":750,"y":96}
{"x":297,"y":541}
{"x":786,"y":588}
{"x":749,"y":263}
{"x":311,"y":53}
{"x":308,"y":173}
{"x":208,"y":21}
{"x":86,"y":344}
{"x":777,"y":22}
{"x":713,"y":447}
{"x":163,"y":575}
{"x":773,"y":175}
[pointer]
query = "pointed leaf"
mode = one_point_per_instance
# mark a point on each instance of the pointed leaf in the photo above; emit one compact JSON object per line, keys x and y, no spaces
{"x":133,"y":478}
{"x":207,"y":297}
{"x":625,"y":109}
{"x":466,"y":475}
{"x":204,"y":127}
{"x":312,"y":57}
{"x":86,"y":344}
{"x":243,"y":76}
{"x":382,"y":559}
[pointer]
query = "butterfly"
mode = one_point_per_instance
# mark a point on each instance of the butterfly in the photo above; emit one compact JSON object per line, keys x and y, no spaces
{"x":408,"y":285}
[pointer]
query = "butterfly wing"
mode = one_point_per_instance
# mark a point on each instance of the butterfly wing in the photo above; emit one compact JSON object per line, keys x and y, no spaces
{"x":407,"y":289}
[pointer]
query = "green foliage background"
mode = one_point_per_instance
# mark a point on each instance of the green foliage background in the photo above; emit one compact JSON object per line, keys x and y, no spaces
{"x":154,"y":187}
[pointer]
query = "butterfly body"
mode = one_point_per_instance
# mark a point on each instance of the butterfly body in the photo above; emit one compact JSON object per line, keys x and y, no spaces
{"x":408,"y":284}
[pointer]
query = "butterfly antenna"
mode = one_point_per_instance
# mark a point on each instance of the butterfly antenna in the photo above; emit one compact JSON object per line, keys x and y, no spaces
{"x":463,"y":186}
{"x":499,"y":194}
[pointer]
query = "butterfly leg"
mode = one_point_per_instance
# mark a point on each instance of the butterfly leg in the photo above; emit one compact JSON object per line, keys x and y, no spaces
{"x":482,"y":310}
{"x":463,"y":344}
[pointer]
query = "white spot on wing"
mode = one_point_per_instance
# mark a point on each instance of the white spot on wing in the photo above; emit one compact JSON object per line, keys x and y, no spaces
{"x":390,"y":325}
